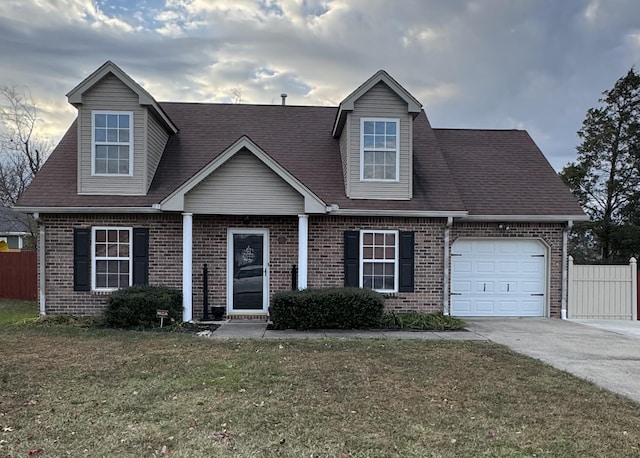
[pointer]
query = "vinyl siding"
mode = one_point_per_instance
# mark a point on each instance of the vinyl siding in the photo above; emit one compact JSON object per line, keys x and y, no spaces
{"x":344,"y":155}
{"x":244,"y":185}
{"x":157,"y":139}
{"x":379,"y":102}
{"x":110,"y":94}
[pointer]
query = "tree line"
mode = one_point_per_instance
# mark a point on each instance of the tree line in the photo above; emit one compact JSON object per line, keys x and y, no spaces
{"x":605,"y":177}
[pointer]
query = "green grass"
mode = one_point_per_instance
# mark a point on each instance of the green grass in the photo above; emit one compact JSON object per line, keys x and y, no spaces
{"x":15,"y":311}
{"x":77,"y":391}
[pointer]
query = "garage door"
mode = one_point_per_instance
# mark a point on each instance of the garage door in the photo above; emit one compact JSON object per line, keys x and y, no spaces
{"x":498,"y":278}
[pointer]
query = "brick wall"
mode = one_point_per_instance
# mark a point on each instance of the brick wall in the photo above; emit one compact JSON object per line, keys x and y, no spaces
{"x":165,"y":257}
{"x":325,"y":254}
{"x":326,"y":267}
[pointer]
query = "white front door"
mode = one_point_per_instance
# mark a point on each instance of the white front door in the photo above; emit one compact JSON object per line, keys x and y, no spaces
{"x":499,"y":277}
{"x":248,"y":271}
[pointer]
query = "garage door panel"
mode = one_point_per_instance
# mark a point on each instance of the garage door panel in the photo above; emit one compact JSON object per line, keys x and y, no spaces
{"x":461,"y":286}
{"x":484,"y":286}
{"x":507,"y":307}
{"x":485,"y":267}
{"x":508,"y":267}
{"x":461,"y":267}
{"x":498,"y":278}
{"x":532,"y":287}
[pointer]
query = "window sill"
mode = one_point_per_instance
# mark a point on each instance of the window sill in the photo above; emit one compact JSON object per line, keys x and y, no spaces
{"x":102,"y":292}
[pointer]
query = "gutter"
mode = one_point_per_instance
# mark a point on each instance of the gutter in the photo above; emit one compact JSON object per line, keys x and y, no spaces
{"x":525,"y":218}
{"x":447,"y":257}
{"x":399,"y":213}
{"x":565,"y":286}
{"x":87,"y":209}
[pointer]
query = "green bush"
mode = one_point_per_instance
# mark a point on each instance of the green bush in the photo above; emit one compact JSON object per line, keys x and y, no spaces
{"x":136,"y":306}
{"x":421,"y":321}
{"x":330,"y":308}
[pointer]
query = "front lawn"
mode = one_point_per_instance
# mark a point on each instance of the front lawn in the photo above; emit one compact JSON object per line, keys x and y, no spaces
{"x":16,"y":311}
{"x":71,"y":391}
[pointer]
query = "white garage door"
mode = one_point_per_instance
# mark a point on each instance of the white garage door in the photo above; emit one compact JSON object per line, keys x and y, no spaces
{"x":498,"y":278}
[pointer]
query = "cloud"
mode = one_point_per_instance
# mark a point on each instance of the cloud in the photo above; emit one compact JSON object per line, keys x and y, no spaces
{"x":489,"y":63}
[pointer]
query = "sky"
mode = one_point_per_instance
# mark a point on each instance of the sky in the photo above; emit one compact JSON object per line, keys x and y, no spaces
{"x":537,"y":65}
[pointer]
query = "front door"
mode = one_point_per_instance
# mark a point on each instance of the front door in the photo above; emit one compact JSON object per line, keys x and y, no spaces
{"x":248,"y":270}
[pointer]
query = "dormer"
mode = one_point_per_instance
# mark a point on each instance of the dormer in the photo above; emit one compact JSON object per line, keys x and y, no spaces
{"x":122,"y":133}
{"x":375,"y":127}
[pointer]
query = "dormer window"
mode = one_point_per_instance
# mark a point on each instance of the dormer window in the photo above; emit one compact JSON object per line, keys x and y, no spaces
{"x":379,"y":149}
{"x":112,"y":143}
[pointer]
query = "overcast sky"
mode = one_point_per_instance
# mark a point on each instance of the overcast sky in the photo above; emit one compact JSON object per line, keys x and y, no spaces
{"x":527,"y":64}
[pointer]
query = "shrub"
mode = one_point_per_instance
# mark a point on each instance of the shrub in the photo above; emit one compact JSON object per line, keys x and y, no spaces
{"x":136,"y":306}
{"x":422,"y":321}
{"x":330,"y":308}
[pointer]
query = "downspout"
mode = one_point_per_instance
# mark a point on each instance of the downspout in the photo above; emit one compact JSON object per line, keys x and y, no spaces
{"x":447,"y":257}
{"x":42,"y":265}
{"x":565,"y":288}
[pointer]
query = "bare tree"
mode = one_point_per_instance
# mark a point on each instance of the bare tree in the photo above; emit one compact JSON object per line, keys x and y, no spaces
{"x":22,"y":153}
{"x":236,"y":95}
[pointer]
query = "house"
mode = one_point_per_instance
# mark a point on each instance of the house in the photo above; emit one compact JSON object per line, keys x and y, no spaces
{"x":14,"y":230}
{"x":366,"y":194}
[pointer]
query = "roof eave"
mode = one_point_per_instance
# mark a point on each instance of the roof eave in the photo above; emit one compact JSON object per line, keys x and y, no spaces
{"x":398,"y":213}
{"x":413,"y":105}
{"x":175,"y":201}
{"x":526,"y":218}
{"x":144,"y":98}
{"x":34,"y":209}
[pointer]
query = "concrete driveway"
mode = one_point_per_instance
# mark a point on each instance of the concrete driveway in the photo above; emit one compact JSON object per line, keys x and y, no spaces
{"x":607,"y":358}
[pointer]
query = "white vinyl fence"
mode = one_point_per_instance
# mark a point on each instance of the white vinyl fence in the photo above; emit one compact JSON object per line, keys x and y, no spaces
{"x":603,"y":292}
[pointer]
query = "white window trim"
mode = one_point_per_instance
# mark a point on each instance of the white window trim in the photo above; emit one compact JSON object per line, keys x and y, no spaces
{"x":397,"y":150}
{"x":93,"y":255}
{"x":93,"y":143}
{"x":396,"y":269}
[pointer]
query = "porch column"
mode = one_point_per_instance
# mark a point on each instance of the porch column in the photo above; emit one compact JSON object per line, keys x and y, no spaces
{"x":187,"y":274}
{"x":303,"y":250}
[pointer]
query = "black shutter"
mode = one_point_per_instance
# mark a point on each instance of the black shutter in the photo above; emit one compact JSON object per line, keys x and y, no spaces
{"x":406,"y":283}
{"x":81,"y":243}
{"x":140,"y":256}
{"x":352,"y":258}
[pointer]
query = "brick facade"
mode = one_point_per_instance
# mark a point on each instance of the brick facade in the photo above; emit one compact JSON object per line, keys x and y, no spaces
{"x":326,"y":268}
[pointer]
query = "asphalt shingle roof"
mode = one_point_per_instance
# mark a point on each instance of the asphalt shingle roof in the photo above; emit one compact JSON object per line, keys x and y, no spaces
{"x":483,"y":172}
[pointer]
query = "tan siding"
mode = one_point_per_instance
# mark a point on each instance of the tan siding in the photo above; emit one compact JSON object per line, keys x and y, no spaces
{"x":157,"y":139}
{"x":380,"y":102}
{"x":111,"y":94}
{"x":244,"y":185}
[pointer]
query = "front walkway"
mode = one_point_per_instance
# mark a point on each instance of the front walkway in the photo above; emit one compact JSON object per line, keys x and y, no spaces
{"x":248,"y":330}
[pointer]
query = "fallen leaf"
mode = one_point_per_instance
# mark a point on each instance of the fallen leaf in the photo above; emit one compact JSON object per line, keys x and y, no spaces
{"x":164,"y":450}
{"x":35,"y":451}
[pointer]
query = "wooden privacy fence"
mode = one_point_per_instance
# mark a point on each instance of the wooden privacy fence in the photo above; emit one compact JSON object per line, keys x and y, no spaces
{"x":18,"y":275}
{"x":603,"y":292}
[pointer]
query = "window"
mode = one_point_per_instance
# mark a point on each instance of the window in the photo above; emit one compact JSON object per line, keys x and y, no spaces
{"x":112,"y":143}
{"x":379,"y":149}
{"x":112,"y":261}
{"x":378,"y":258}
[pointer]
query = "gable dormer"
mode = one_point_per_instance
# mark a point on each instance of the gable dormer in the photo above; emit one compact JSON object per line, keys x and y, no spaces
{"x":122,"y":132}
{"x":375,"y":127}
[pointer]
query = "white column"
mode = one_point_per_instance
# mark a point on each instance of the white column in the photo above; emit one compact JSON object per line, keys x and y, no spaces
{"x":43,"y":269}
{"x":303,"y":250}
{"x":187,"y":274}
{"x":633,"y":264}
